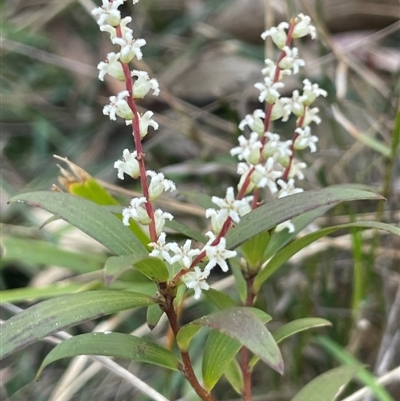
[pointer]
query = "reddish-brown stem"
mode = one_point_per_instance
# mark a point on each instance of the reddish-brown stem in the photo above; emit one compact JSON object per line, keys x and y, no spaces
{"x":186,"y":368}
{"x":244,"y":352}
{"x":138,"y":144}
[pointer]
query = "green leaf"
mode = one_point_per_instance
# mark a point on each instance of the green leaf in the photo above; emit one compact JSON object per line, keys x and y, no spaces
{"x":57,"y":314}
{"x":254,"y":248}
{"x":92,"y":219}
{"x":219,"y":299}
{"x":241,"y":284}
{"x":294,"y":327}
{"x":246,"y":325}
{"x":234,"y":375}
{"x":363,"y":374}
{"x":285,"y":254}
{"x":299,"y":325}
{"x":218,"y":353}
{"x":37,"y":252}
{"x":153,"y":268}
{"x":327,"y":386}
{"x":273,"y":213}
{"x":117,"y":345}
{"x":186,"y":231}
{"x":49,"y":291}
{"x":153,"y":315}
{"x":92,"y":190}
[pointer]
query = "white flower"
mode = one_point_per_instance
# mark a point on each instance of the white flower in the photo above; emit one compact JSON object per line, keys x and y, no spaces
{"x":184,"y":255}
{"x":254,"y":121}
{"x":158,"y":184}
{"x":112,"y":67}
{"x":128,"y":165}
{"x":270,"y":70}
{"x":159,"y":220}
{"x":305,"y":139}
{"x":217,"y":254}
{"x":108,"y":13}
{"x":311,"y":92}
{"x":277,"y":149}
{"x":161,"y":249}
{"x":278,"y":34}
{"x":136,"y":212}
{"x":296,"y":103}
{"x":123,"y":26}
{"x":249,"y":149}
{"x":287,"y":188}
{"x":218,"y":218}
{"x":286,"y":224}
{"x":130,"y":47}
{"x":244,"y":170}
{"x":145,"y":121}
{"x":118,"y":106}
{"x":291,"y":61}
{"x":304,"y":28}
{"x":143,"y":84}
{"x":296,"y":169}
{"x":265,"y":175}
{"x":235,"y":208}
{"x":269,"y":90}
{"x":196,"y":280}
{"x":311,"y":115}
{"x":281,"y":109}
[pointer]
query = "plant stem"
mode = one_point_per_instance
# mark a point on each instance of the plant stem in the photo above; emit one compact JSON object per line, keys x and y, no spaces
{"x":187,"y":367}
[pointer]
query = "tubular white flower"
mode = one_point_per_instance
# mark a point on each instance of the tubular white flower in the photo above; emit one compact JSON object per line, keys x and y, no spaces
{"x":265,"y":175}
{"x":218,"y":218}
{"x":249,"y":149}
{"x":243,"y":170}
{"x":296,"y":169}
{"x":277,"y":34}
{"x":311,"y":115}
{"x":136,"y":212}
{"x":112,"y":67}
{"x":130,"y":47}
{"x":159,"y":220}
{"x":143,"y":84}
{"x":311,"y":92}
{"x":305,"y":139}
{"x":158,"y":184}
{"x":113,"y":32}
{"x":217,"y":254}
{"x":296,"y":103}
{"x":118,"y":106}
{"x":128,"y":165}
{"x":145,"y":121}
{"x":277,"y":149}
{"x":161,"y":248}
{"x":281,"y":109}
{"x":286,"y":224}
{"x":196,"y":280}
{"x":254,"y":121}
{"x":270,"y":70}
{"x":184,"y":254}
{"x":291,"y":61}
{"x":108,"y":13}
{"x":235,"y":208}
{"x":269,"y":90}
{"x":287,"y":188}
{"x":304,"y":28}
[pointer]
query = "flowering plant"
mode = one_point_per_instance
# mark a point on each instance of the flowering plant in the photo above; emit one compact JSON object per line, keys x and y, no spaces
{"x":248,"y":234}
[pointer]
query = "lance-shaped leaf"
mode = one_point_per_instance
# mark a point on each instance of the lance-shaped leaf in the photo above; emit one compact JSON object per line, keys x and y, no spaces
{"x":118,"y":345}
{"x":57,"y":314}
{"x":293,"y":327}
{"x":89,"y":217}
{"x":287,"y":252}
{"x":273,"y":213}
{"x":327,"y":386}
{"x":219,"y":351}
{"x":242,"y":324}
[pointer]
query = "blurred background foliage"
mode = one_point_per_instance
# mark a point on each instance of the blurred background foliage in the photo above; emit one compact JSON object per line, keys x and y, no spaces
{"x":207,"y":55}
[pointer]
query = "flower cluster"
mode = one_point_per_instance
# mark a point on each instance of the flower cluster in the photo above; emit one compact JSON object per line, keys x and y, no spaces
{"x":265,"y":160}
